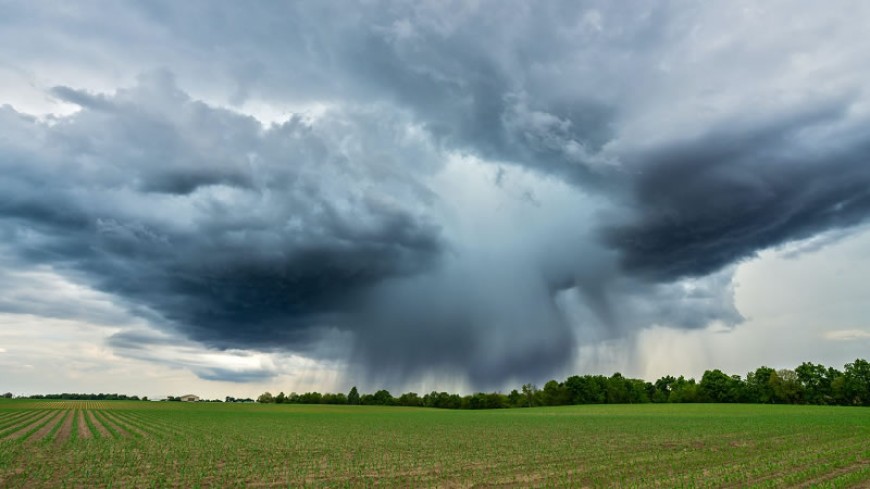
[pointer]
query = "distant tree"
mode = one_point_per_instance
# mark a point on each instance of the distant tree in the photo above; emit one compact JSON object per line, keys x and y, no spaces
{"x":555,"y":394}
{"x":786,"y":387}
{"x":311,"y":398}
{"x":716,"y":386}
{"x":856,"y":376}
{"x":515,"y":399}
{"x":588,"y":389}
{"x":383,"y":398}
{"x":280,"y":398}
{"x":663,"y":388}
{"x":759,"y":385}
{"x":639,"y":391}
{"x":816,"y":383}
{"x":334,"y":399}
{"x":410,"y":399}
{"x":265,"y":398}
{"x":530,"y":395}
{"x":683,"y":390}
{"x":838,"y":390}
{"x":7,"y":395}
{"x":616,"y":390}
{"x":353,"y":396}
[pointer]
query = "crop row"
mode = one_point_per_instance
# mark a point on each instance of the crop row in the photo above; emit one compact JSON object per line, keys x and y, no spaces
{"x":168,"y":444}
{"x":61,"y":426}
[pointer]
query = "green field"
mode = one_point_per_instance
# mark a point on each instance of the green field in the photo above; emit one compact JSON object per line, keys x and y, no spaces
{"x":148,"y":444}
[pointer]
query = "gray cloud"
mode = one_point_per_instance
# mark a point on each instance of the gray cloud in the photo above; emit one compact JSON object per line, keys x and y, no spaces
{"x":264,"y":258}
{"x":688,"y":137}
{"x":711,"y":201}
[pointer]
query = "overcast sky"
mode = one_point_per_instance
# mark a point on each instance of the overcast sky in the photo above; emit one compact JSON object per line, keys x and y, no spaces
{"x":223,"y":199}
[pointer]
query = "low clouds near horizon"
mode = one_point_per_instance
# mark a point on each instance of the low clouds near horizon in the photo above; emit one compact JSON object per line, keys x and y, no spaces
{"x":470,"y":190}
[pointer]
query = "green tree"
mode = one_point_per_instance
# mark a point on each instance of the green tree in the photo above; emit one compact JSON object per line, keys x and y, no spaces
{"x":663,"y":386}
{"x":280,"y":398}
{"x":587,"y":389}
{"x":617,"y":389}
{"x":530,"y":395}
{"x":410,"y":399}
{"x":265,"y":398}
{"x":759,"y":385}
{"x":856,"y":376}
{"x":683,"y":390}
{"x":555,"y":394}
{"x":353,"y":396}
{"x":815,"y":381}
{"x":515,"y":399}
{"x":786,"y":387}
{"x":383,"y":398}
{"x":716,"y":386}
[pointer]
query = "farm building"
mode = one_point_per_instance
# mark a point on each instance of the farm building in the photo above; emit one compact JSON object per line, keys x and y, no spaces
{"x":189,"y":398}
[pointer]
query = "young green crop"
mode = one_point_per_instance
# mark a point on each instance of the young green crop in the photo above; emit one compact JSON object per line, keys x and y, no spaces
{"x":141,"y":444}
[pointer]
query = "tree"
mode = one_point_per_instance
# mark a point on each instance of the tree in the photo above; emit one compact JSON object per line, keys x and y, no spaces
{"x":555,"y":394}
{"x":410,"y":399}
{"x":683,"y":390}
{"x":759,"y":385}
{"x":616,"y":389}
{"x":856,"y":376}
{"x":7,"y":395}
{"x":663,"y":388}
{"x":353,"y":396}
{"x":515,"y":399}
{"x":280,"y":398}
{"x":265,"y":398}
{"x":786,"y":387}
{"x":530,"y":395}
{"x":816,"y":383}
{"x":383,"y":398}
{"x":716,"y":386}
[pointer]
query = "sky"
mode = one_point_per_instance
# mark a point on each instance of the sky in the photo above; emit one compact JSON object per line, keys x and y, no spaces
{"x":222,"y":199}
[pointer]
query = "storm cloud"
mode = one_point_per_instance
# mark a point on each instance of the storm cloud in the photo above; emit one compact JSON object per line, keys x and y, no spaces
{"x":470,"y":189}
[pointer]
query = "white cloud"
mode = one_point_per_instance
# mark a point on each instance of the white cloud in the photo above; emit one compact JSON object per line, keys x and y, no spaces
{"x":848,"y":335}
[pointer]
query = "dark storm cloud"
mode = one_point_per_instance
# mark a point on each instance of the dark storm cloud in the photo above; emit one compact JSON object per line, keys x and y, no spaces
{"x":719,"y":198}
{"x":264,"y":260}
{"x":702,"y":133}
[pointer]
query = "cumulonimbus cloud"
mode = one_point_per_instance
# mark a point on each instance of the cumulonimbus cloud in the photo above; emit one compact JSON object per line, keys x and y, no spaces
{"x":683,"y":147}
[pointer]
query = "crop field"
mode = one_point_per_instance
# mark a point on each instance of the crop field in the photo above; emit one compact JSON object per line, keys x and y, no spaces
{"x":149,"y":444}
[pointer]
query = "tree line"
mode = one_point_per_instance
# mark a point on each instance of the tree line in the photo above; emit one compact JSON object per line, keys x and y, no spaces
{"x":807,"y":384}
{"x":66,"y":396}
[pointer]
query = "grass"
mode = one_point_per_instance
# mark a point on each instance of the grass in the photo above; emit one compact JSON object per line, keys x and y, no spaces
{"x":144,"y":444}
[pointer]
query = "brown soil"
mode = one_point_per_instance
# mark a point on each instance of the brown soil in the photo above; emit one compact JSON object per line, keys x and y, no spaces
{"x":108,"y":421}
{"x":45,"y":430}
{"x":84,"y":432}
{"x":65,"y":430}
{"x":17,"y":417}
{"x":103,"y":432}
{"x":122,"y":426}
{"x":27,"y":425}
